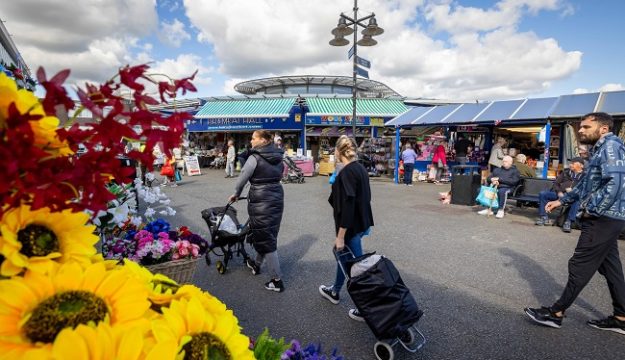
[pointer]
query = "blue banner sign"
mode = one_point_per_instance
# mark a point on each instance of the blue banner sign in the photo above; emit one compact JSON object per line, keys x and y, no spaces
{"x":243,"y":124}
{"x":346,"y":120}
{"x":361,"y":72}
{"x":363,"y":62}
{"x":350,"y":53}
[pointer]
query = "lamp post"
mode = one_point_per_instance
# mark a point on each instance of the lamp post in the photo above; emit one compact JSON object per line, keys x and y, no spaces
{"x":343,"y":29}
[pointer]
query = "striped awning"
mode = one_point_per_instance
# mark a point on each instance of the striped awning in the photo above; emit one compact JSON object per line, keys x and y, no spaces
{"x":364,"y":107}
{"x":246,"y":108}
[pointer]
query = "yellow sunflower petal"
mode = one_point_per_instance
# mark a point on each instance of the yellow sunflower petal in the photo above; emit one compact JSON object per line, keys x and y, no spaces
{"x":70,"y":345}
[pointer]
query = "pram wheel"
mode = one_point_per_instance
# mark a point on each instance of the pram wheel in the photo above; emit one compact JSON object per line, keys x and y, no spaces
{"x":383,"y":351}
{"x":221,"y":268}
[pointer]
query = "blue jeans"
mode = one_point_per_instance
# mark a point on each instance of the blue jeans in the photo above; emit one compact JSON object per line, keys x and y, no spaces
{"x":355,"y":244}
{"x":408,"y":170}
{"x":543,"y":198}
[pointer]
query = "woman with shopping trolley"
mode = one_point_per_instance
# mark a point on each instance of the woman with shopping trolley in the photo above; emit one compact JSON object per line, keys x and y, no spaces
{"x":351,"y":204}
{"x":263,"y":169}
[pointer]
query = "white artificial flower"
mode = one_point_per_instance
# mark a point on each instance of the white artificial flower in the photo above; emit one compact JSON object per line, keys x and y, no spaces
{"x":136,"y":220}
{"x":120,"y":214}
{"x":149,"y":212}
{"x":163,"y":212}
{"x":171,"y":211}
{"x":96,"y":219}
{"x":165,"y":202}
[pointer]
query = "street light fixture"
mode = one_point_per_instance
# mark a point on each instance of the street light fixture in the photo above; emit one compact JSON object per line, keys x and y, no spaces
{"x":343,"y":29}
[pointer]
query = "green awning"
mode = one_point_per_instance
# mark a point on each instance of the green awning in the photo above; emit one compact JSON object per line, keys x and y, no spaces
{"x":246,"y":108}
{"x":364,"y":107}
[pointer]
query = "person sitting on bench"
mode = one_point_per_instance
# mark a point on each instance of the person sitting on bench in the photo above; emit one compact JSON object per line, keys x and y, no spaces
{"x":505,"y":178}
{"x":563,"y":184}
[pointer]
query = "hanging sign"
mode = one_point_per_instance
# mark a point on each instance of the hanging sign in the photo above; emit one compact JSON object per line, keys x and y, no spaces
{"x":363,"y":62}
{"x":350,"y":53}
{"x":361,"y":72}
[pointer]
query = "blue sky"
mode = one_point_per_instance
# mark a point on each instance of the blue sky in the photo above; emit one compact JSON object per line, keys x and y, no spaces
{"x":459,"y":50}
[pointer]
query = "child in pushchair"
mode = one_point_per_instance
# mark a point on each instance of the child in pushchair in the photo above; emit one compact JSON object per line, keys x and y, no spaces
{"x":227,"y":234}
{"x":293,"y":173}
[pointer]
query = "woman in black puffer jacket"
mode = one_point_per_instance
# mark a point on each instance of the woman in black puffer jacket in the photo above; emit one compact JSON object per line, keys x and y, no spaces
{"x":263,"y":169}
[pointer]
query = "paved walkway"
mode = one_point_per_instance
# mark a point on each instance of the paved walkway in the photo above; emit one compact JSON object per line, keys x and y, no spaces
{"x":471,"y":274}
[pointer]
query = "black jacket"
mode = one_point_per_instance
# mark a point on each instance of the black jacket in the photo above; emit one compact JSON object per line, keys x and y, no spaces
{"x":566,"y":179}
{"x":507,"y":177}
{"x":351,"y":200}
{"x":266,"y":198}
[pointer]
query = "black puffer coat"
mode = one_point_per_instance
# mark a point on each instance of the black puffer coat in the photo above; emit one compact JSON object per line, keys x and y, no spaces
{"x":266,"y":198}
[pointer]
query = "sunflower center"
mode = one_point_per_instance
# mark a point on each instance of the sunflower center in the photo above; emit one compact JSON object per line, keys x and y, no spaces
{"x":204,"y":346}
{"x":62,"y":310}
{"x":37,"y":240}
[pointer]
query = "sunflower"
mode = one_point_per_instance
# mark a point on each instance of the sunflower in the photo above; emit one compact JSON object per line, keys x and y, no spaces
{"x":200,"y":334}
{"x":25,"y":101}
{"x":37,"y":239}
{"x":87,"y":342}
{"x":163,"y":290}
{"x":35,"y":308}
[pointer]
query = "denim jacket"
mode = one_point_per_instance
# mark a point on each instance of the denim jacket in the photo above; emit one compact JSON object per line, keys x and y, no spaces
{"x":601,"y":187}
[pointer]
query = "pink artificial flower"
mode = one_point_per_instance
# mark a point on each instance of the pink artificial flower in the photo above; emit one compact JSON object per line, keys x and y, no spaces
{"x":175,"y":256}
{"x":195,"y":250}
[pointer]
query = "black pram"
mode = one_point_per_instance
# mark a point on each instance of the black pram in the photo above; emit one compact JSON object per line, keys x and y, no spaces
{"x":383,"y":300}
{"x":293,"y":173}
{"x":227,"y":234}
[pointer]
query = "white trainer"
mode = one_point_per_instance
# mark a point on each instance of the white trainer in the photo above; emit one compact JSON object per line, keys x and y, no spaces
{"x":485,"y":212}
{"x":500,"y":214}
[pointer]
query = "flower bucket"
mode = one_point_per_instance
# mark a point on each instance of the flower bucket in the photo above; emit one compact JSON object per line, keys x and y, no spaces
{"x":181,"y":271}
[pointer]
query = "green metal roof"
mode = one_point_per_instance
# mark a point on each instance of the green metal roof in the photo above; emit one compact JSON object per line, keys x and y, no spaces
{"x":246,"y":108}
{"x":364,"y":107}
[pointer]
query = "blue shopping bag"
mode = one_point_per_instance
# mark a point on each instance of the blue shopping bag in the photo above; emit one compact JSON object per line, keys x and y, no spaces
{"x":488,"y":197}
{"x":177,"y":175}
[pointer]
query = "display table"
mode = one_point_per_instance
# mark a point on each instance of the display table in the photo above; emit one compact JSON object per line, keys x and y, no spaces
{"x":326,"y":167}
{"x":307,"y":166}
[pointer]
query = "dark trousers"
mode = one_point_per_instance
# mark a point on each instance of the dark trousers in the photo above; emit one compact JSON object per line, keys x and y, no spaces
{"x":596,"y":249}
{"x":545,"y":196}
{"x":408,"y":169}
{"x":502,"y":196}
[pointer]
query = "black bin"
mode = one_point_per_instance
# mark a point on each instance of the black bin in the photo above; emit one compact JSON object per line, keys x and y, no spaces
{"x":465,"y":184}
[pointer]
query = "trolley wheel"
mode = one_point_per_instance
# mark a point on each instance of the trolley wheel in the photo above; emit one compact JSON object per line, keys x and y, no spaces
{"x":302,"y":180}
{"x":208,"y":259}
{"x":220,"y":267}
{"x":383,"y":351}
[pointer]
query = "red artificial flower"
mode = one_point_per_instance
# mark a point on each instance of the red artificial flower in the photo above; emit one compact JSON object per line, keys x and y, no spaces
{"x":129,"y":76}
{"x":55,"y":92}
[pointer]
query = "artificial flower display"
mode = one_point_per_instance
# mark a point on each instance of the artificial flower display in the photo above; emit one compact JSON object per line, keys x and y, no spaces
{"x":39,"y":239}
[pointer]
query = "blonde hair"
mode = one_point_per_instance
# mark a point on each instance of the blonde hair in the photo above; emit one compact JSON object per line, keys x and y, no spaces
{"x":346,"y":148}
{"x":521,"y":158}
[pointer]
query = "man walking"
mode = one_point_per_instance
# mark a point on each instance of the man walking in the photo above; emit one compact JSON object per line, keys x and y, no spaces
{"x":462,"y":149}
{"x":602,"y":211}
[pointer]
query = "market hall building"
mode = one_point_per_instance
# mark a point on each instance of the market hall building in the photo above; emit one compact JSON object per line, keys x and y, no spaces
{"x":309,"y":113}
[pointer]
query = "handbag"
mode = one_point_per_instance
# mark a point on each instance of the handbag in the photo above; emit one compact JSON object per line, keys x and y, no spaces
{"x":488,"y":197}
{"x":167,"y":170}
{"x":440,"y":164}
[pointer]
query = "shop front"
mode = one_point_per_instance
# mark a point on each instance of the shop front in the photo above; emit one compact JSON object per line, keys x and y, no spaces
{"x":219,"y":121}
{"x":330,"y":118}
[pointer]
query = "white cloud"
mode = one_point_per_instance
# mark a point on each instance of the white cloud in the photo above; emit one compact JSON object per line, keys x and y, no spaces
{"x":173,"y":34}
{"x":460,"y":52}
{"x":581,"y":91}
{"x":611,"y":87}
{"x":91,"y":37}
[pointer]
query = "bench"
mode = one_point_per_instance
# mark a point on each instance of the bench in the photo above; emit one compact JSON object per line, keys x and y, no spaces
{"x":528,"y":189}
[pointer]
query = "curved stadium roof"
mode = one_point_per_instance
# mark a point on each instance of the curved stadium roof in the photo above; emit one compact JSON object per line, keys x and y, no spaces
{"x":366,"y":87}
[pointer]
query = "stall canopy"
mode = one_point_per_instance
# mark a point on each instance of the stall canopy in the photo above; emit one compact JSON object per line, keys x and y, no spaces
{"x":246,"y":108}
{"x":514,"y":111}
{"x":364,"y":107}
{"x":409,"y":116}
{"x":612,"y":103}
{"x":575,"y":105}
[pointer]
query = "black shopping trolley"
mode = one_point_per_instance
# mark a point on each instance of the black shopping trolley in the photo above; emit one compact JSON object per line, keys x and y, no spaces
{"x":383,"y":300}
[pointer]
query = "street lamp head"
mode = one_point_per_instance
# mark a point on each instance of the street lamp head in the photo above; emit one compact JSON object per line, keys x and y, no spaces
{"x":339,"y":41}
{"x":342,"y":29}
{"x":367,"y":40}
{"x":373,"y":29}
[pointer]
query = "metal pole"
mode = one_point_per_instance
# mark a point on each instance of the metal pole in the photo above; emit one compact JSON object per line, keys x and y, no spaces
{"x":547,"y":146}
{"x":397,"y":152}
{"x":354,"y":69}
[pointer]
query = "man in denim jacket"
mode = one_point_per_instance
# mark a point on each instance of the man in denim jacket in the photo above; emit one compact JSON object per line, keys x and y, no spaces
{"x":602,"y":213}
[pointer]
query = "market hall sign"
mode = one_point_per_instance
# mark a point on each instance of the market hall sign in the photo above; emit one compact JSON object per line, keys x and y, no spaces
{"x":346,"y":120}
{"x":230,"y":124}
